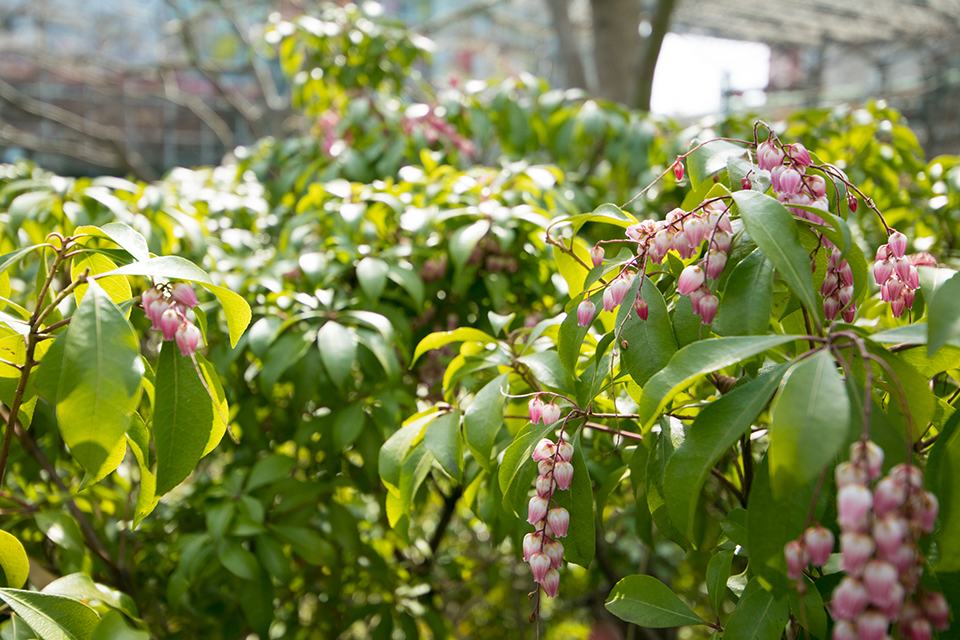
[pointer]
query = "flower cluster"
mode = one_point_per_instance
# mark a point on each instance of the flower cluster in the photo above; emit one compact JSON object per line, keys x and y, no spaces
{"x":897,"y":276}
{"x":791,"y":183}
{"x":837,"y":287}
{"x":166,"y":307}
{"x":879,"y":551}
{"x":541,"y":548}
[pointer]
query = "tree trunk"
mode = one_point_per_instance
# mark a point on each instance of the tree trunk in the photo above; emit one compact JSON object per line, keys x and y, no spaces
{"x":569,"y":45}
{"x":616,"y":43}
{"x":651,"y":51}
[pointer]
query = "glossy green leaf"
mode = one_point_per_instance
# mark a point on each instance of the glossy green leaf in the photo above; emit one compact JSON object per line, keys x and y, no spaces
{"x":645,"y":601}
{"x":664,"y":445}
{"x":126,"y":237}
{"x":80,"y":586}
{"x":13,"y":561}
{"x":943,"y":314}
{"x":117,"y":287}
{"x":710,"y":158}
{"x":605,"y":213}
{"x":61,"y":529}
{"x":650,"y":343}
{"x":443,"y":338}
{"x":186,"y":423}
{"x":759,"y":616}
{"x":443,"y":440}
{"x":269,"y":470}
{"x":694,"y":360}
{"x":716,"y":428}
{"x":809,"y":423}
{"x":338,"y":350}
{"x":465,"y":240}
{"x":281,"y":356}
{"x":235,"y":308}
{"x":774,"y":230}
{"x":138,"y":438}
{"x":747,"y":301}
{"x":236,"y":559}
{"x":484,"y":418}
{"x":372,"y":274}
{"x":580,"y":543}
{"x":809,"y":611}
{"x":517,"y":456}
{"x":406,"y":277}
{"x":943,"y":479}
{"x":395,"y":450}
{"x":52,"y":617}
{"x":99,"y":383}
{"x":718,"y":570}
{"x":114,"y":627}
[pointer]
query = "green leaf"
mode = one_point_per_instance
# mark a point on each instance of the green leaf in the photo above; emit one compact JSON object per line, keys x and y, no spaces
{"x":716,"y":428}
{"x":443,"y":440}
{"x":138,"y":438}
{"x":338,"y":350}
{"x":99,"y":383}
{"x":349,"y":425}
{"x":235,"y":308}
{"x":710,"y":158}
{"x":80,"y":586}
{"x":694,"y":360}
{"x":580,"y":543}
{"x":282,"y":354}
{"x":809,"y":612}
{"x":774,"y":230}
{"x":647,"y":602}
{"x":269,"y":470}
{"x":758,"y":617}
{"x":257,"y":605}
{"x":605,"y":213}
{"x":515,"y":458}
{"x":718,"y":570}
{"x":943,"y":315}
{"x":7,"y":260}
{"x":747,"y":301}
{"x":13,"y":561}
{"x":671,"y":437}
{"x":46,"y":377}
{"x":237,"y":560}
{"x":500,"y":323}
{"x":546,"y":369}
{"x":186,"y":423}
{"x":395,"y":450}
{"x":117,"y":287}
{"x":484,"y":418}
{"x":61,"y":529}
{"x":372,"y":274}
{"x":114,"y":627}
{"x":943,"y":479}
{"x":443,"y":338}
{"x":809,"y":423}
{"x":571,"y":335}
{"x":406,"y":277}
{"x":465,"y":240}
{"x":52,"y":617}
{"x":651,"y":342}
{"x":771,"y":523}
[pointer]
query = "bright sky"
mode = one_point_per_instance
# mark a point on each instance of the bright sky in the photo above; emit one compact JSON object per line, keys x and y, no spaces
{"x":690,"y":73}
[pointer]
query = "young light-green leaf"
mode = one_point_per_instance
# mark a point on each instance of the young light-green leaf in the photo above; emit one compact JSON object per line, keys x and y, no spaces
{"x":774,"y":230}
{"x":484,"y":418}
{"x":99,"y":383}
{"x":809,"y":424}
{"x":443,"y":338}
{"x":13,"y":561}
{"x":52,"y":617}
{"x":645,"y":601}
{"x":443,"y":440}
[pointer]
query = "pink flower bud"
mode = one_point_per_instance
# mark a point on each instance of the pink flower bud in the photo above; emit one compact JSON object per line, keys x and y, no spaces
{"x":564,"y":451}
{"x":849,"y":473}
{"x":879,"y":578}
{"x":912,"y":281}
{"x":544,"y":449}
{"x":844,"y":630}
{"x":797,"y":559}
{"x":799,"y":154}
{"x":641,"y":307}
{"x":855,"y":550}
{"x":663,"y":242}
{"x":678,"y":170}
{"x":883,"y":252}
{"x":563,"y":474}
{"x":846,"y":295}
{"x":722,"y":240}
{"x":769,"y":155}
{"x":696,"y":230}
{"x":690,"y":280}
{"x":708,"y":307}
{"x":609,"y":301}
{"x":872,"y":625}
{"x":696,"y":297}
{"x":183,"y":293}
{"x":906,"y":474}
{"x":551,"y":413}
{"x":775,"y":174}
{"x":890,"y":290}
{"x":852,"y":202}
{"x":536,"y":510}
{"x":817,"y":186}
{"x":790,"y":182}
{"x":154,"y":310}
{"x":745,"y":183}
{"x":888,"y":533}
{"x":559,"y":520}
{"x":831,"y":307}
{"x":539,"y":566}
{"x":169,"y":323}
{"x":536,"y":409}
{"x":892,"y":609}
{"x":888,"y":495}
{"x":596,"y":255}
{"x":897,"y":244}
{"x":853,"y":503}
{"x":532,"y":543}
{"x":937,"y":610}
{"x":897,"y":307}
{"x":919,"y":629}
{"x":621,"y":287}
{"x":545,"y":486}
{"x":188,"y":337}
{"x":850,"y":313}
{"x":846,"y":274}
{"x":554,"y":551}
{"x":634,"y":232}
{"x":868,"y":454}
{"x":545,"y":467}
{"x":551,"y":583}
{"x":683,"y":246}
{"x":830,"y":283}
{"x":585,"y":313}
{"x":904,"y":558}
{"x":150,"y":295}
{"x":819,"y":542}
{"x":926,"y":511}
{"x":901,"y":267}
{"x":882,"y":270}
{"x":716,"y":261}
{"x":849,"y":599}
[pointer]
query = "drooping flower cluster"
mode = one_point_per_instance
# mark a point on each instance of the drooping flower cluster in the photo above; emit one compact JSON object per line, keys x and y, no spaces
{"x":897,"y":276}
{"x":166,"y":307}
{"x":837,"y":287}
{"x":879,"y":550}
{"x":541,"y":548}
{"x":791,"y":183}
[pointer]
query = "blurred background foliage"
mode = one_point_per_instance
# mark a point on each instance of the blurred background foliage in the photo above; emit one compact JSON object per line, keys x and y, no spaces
{"x":409,"y":209}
